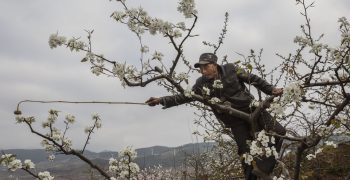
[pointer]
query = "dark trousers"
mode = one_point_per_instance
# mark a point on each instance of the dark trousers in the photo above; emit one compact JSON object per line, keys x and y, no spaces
{"x":242,"y":132}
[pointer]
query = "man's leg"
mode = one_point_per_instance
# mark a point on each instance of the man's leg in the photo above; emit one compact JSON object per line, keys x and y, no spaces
{"x":266,"y":122}
{"x":241,"y":134}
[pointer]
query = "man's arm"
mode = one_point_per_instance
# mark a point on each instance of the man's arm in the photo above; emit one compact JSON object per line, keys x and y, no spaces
{"x":258,"y":82}
{"x":169,"y":101}
{"x":174,"y":100}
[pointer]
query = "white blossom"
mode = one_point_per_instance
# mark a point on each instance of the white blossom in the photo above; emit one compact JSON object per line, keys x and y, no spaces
{"x":157,"y":56}
{"x":274,"y":152}
{"x":88,"y":129}
{"x":177,"y":33}
{"x":255,"y":149}
{"x":181,"y":25}
{"x":188,"y":92}
{"x":30,"y":119}
{"x":144,"y":49}
{"x":263,"y":138}
{"x":277,"y":108}
{"x":10,"y":162}
{"x":316,"y":48}
{"x":14,"y":165}
{"x":70,"y":118}
{"x":310,"y":156}
{"x":302,"y":41}
{"x":28,"y":164}
{"x":56,"y":135}
{"x":214,"y":100}
{"x":53,"y":114}
{"x":331,"y":143}
{"x":324,"y":130}
{"x":47,"y":146}
{"x":119,"y":70}
{"x":55,"y":40}
{"x":67,"y":144}
{"x":206,"y":91}
{"x":98,"y":124}
{"x":118,"y":16}
{"x":129,"y":151}
{"x":343,"y":21}
{"x":19,"y":119}
{"x":278,"y":178}
{"x":97,"y":70}
{"x":76,"y":45}
{"x":218,"y":84}
{"x":182,"y":77}
{"x":97,"y":119}
{"x":292,"y":93}
{"x":254,"y":103}
{"x":268,"y":152}
{"x":247,"y":158}
{"x":51,"y":157}
{"x":187,"y":7}
{"x":45,"y":175}
{"x":123,"y":167}
{"x":319,"y":150}
{"x":342,"y":118}
{"x":272,"y":140}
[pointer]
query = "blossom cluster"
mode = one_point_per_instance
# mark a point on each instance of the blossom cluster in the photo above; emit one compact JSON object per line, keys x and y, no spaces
{"x":138,"y":21}
{"x":214,"y":100}
{"x":324,"y":130}
{"x":123,"y":71}
{"x":156,"y":172}
{"x":45,"y":175}
{"x":97,"y":123}
{"x":261,"y":147}
{"x":10,"y":162}
{"x":282,"y":177}
{"x":157,"y":55}
{"x":188,"y":92}
{"x":182,"y":77}
{"x":187,"y":8}
{"x":218,"y":84}
{"x":56,"y":40}
{"x":302,"y":41}
{"x":206,"y":91}
{"x":75,"y":44}
{"x":123,"y":166}
{"x":291,"y":93}
{"x":312,"y":156}
{"x":344,"y":27}
{"x":21,"y":119}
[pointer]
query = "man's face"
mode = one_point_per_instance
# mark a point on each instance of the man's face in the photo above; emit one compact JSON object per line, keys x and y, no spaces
{"x":210,"y":71}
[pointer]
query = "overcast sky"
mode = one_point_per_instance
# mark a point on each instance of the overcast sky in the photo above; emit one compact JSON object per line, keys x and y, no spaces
{"x":31,"y":70}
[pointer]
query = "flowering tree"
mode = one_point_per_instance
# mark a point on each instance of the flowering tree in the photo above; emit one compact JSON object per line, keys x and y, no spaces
{"x":314,"y":105}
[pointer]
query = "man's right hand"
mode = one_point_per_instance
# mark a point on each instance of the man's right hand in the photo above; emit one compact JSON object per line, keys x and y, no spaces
{"x":152,"y":101}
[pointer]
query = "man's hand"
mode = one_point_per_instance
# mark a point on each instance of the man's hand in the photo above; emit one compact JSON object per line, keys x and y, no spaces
{"x":152,"y":101}
{"x":277,"y":91}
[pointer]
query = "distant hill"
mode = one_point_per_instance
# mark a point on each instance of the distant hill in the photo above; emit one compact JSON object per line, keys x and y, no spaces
{"x":66,"y":167}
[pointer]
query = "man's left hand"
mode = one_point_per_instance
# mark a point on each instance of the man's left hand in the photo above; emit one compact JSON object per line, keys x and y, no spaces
{"x":277,"y":91}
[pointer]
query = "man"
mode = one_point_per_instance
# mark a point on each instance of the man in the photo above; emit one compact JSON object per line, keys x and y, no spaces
{"x":227,"y":83}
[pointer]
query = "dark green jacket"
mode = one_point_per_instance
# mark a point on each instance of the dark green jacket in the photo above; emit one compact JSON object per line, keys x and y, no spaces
{"x":233,"y":91}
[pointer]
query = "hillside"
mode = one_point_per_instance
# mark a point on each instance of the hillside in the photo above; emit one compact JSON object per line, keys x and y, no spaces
{"x":67,"y":167}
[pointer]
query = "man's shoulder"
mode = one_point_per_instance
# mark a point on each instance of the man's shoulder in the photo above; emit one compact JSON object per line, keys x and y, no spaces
{"x":228,"y":66}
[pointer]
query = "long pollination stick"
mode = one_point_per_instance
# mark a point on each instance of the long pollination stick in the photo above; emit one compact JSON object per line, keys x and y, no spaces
{"x":18,"y":112}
